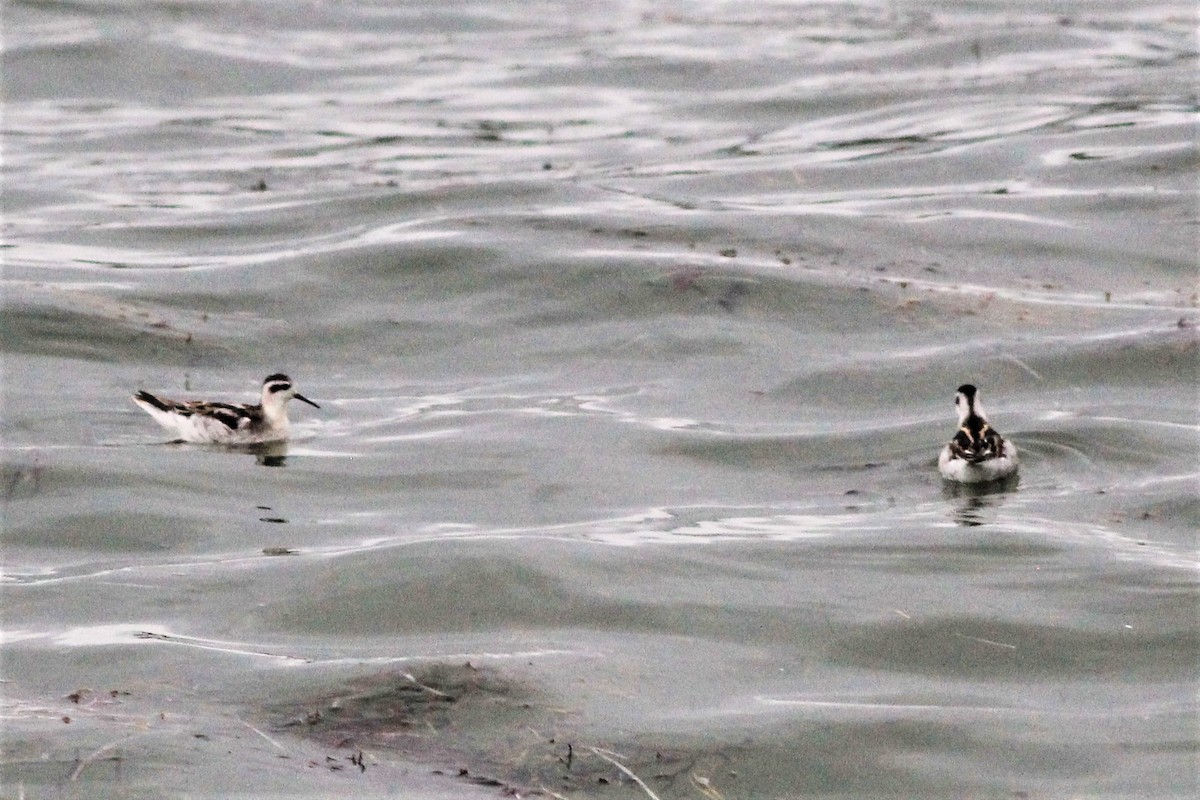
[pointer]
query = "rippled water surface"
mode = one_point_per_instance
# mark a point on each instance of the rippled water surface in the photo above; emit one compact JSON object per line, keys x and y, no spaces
{"x":635,"y":329}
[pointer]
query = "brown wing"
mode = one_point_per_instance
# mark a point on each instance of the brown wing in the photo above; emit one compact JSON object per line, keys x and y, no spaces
{"x":228,"y":414}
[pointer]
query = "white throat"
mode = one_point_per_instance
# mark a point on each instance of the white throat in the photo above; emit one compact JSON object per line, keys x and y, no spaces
{"x":274,"y":408}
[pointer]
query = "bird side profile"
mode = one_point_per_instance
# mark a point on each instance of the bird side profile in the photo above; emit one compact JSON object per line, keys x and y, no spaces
{"x":227,"y":423}
{"x":977,"y":453}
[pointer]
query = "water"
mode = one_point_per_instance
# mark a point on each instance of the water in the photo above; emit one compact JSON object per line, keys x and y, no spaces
{"x":636,"y":330}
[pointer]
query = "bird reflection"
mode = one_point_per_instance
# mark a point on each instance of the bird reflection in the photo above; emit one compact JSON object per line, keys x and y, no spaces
{"x":268,"y":454}
{"x":975,"y":499}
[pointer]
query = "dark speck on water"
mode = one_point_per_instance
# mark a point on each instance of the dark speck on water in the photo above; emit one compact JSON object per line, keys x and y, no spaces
{"x":638,"y":330}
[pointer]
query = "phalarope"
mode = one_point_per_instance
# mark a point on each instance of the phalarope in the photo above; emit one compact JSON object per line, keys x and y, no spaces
{"x":227,"y":423}
{"x":977,"y":453}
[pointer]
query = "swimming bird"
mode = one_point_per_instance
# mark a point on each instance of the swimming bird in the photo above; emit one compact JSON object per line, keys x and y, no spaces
{"x":977,"y":453}
{"x":227,"y":423}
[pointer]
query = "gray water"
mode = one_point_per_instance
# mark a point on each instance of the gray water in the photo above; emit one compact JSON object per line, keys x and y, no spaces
{"x":636,"y":328}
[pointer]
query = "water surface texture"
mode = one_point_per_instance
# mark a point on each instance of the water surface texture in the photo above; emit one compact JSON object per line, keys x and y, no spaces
{"x":635,"y":328}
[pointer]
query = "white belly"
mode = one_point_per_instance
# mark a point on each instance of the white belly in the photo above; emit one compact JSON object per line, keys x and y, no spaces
{"x":994,"y":469}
